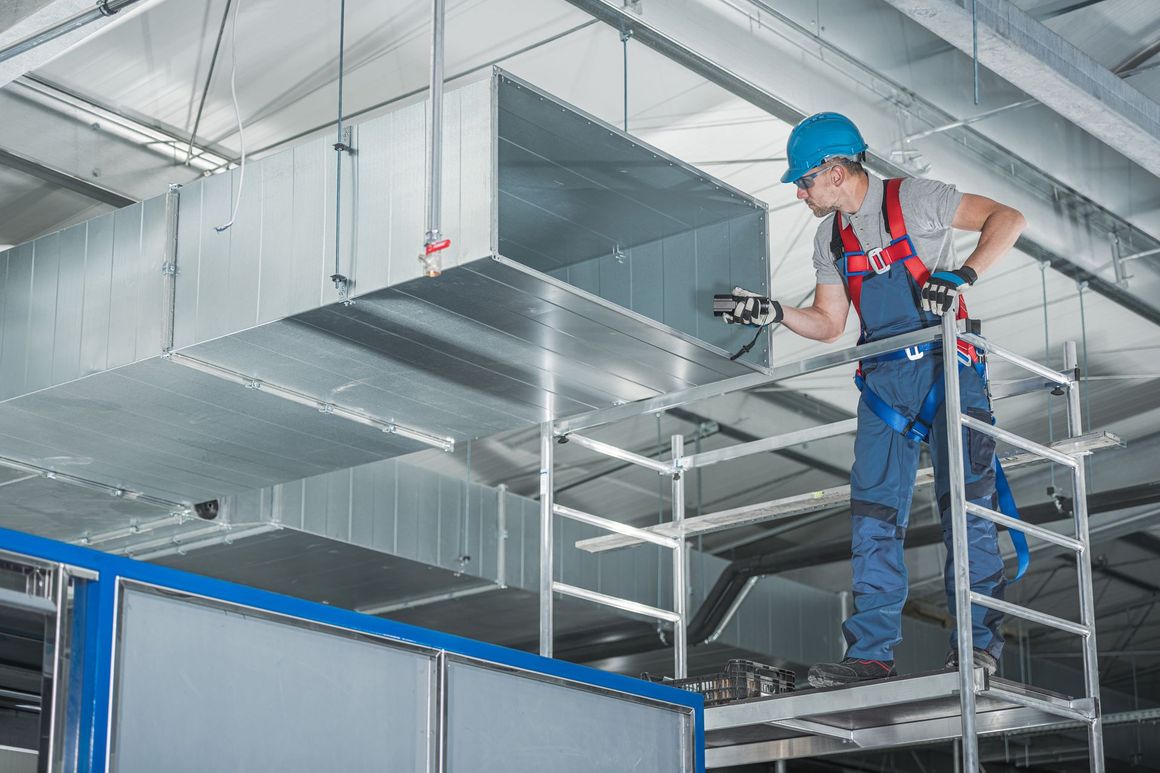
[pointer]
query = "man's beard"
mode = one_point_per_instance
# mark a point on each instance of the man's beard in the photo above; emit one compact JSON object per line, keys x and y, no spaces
{"x":819,"y":210}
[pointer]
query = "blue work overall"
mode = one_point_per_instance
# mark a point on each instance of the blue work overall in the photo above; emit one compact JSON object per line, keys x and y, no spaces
{"x":885,"y":460}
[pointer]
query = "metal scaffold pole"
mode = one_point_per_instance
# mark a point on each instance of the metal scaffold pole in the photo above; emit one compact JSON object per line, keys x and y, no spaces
{"x":960,"y":548}
{"x":547,"y":495}
{"x":680,"y":559}
{"x":1084,"y":569}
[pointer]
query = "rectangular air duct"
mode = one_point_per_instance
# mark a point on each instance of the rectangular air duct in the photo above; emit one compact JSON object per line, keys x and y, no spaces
{"x":580,"y":274}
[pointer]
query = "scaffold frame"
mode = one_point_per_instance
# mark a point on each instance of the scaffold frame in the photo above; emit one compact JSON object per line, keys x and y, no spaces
{"x":1021,"y":706}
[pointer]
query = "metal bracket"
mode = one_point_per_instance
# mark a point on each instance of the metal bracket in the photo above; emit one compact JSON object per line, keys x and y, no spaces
{"x":346,"y":144}
{"x":344,"y":285}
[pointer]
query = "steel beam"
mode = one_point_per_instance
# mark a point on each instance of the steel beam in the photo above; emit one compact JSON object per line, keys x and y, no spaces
{"x":1043,"y":64}
{"x":64,"y":180}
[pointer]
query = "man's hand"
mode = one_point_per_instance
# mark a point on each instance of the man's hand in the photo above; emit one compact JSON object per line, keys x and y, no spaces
{"x":752,"y":309}
{"x":941,"y":289}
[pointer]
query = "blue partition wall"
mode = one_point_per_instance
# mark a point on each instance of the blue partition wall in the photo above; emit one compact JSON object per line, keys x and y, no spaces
{"x":173,"y":671}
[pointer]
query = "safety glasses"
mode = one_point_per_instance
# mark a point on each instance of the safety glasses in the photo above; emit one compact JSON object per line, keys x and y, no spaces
{"x":806,"y":181}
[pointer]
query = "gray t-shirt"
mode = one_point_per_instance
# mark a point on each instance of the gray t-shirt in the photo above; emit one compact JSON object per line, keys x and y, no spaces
{"x":928,"y":206}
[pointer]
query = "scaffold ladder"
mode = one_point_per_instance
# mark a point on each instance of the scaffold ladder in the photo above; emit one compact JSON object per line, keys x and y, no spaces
{"x":1088,"y":706}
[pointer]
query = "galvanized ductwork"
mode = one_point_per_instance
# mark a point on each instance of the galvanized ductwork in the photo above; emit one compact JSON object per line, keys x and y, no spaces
{"x":579,"y":275}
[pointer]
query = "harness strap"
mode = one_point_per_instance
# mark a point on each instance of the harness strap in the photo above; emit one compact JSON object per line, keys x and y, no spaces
{"x":856,"y":264}
{"x":918,"y":430}
{"x":968,"y":354}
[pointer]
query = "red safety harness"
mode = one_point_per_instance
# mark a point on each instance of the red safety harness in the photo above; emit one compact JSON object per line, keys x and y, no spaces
{"x":860,"y":264}
{"x":856,"y":265}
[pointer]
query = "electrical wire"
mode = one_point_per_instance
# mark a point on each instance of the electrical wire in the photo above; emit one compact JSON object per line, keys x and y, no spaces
{"x":238,"y":115}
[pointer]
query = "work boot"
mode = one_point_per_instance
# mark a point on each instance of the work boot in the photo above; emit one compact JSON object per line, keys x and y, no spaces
{"x":981,"y":658}
{"x":850,"y":671}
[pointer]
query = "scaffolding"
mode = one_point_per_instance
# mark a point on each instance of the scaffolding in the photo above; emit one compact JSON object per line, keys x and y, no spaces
{"x":919,"y":709}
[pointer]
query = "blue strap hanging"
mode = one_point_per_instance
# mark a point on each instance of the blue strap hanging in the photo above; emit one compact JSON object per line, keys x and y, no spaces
{"x":1008,"y":508}
{"x":918,"y":430}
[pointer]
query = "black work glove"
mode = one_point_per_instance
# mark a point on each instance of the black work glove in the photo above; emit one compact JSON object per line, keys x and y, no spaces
{"x":941,"y":289}
{"x":748,"y":308}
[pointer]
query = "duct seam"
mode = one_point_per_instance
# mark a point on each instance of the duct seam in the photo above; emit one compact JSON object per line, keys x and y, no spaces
{"x":111,"y":490}
{"x":322,"y":406}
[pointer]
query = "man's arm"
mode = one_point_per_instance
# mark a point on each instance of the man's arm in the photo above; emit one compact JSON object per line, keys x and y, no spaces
{"x":998,"y":226}
{"x":825,"y":320}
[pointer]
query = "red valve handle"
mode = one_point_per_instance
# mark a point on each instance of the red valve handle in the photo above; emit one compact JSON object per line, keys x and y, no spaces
{"x":437,"y":246}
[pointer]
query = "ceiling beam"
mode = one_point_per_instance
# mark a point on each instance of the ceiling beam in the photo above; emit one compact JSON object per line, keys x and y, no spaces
{"x":33,"y":32}
{"x":1055,"y":8}
{"x":1047,"y":67}
{"x":63,"y":179}
{"x":813,"y":75}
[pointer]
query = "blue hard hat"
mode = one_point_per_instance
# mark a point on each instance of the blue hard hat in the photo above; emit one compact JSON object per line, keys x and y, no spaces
{"x":821,"y":136}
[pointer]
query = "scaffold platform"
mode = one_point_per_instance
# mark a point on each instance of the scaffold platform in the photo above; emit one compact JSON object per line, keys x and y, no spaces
{"x":910,"y":710}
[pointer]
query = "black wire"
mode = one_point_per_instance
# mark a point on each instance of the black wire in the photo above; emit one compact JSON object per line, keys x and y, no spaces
{"x":745,"y":349}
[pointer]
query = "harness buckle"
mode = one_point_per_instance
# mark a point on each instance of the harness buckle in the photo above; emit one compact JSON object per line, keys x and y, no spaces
{"x":878,"y":263}
{"x":913,"y":353}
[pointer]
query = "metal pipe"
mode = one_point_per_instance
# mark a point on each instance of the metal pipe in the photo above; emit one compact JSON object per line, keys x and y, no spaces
{"x":770,"y":444}
{"x":732,"y":610}
{"x":1014,"y":523}
{"x":1087,"y":606}
{"x":104,"y":9}
{"x":616,"y":602}
{"x":959,"y":544}
{"x":1048,"y":707}
{"x":615,"y":526}
{"x":600,"y":447}
{"x":1138,"y":255}
{"x":994,"y":350}
{"x":1027,"y":613}
{"x":547,"y":482}
{"x":342,"y":283}
{"x":975,"y":47}
{"x":433,"y":240}
{"x":1019,"y":442}
{"x":502,"y":534}
{"x":680,"y":559}
{"x":969,"y":121}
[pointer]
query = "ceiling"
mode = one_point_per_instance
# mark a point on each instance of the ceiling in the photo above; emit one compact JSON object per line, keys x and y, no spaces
{"x":115,"y":114}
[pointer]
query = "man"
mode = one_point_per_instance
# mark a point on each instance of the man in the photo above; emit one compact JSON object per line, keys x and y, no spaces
{"x":885,"y":246}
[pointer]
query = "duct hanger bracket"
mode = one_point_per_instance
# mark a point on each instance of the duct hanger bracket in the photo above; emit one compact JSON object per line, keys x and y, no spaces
{"x":346,"y":144}
{"x":344,"y":285}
